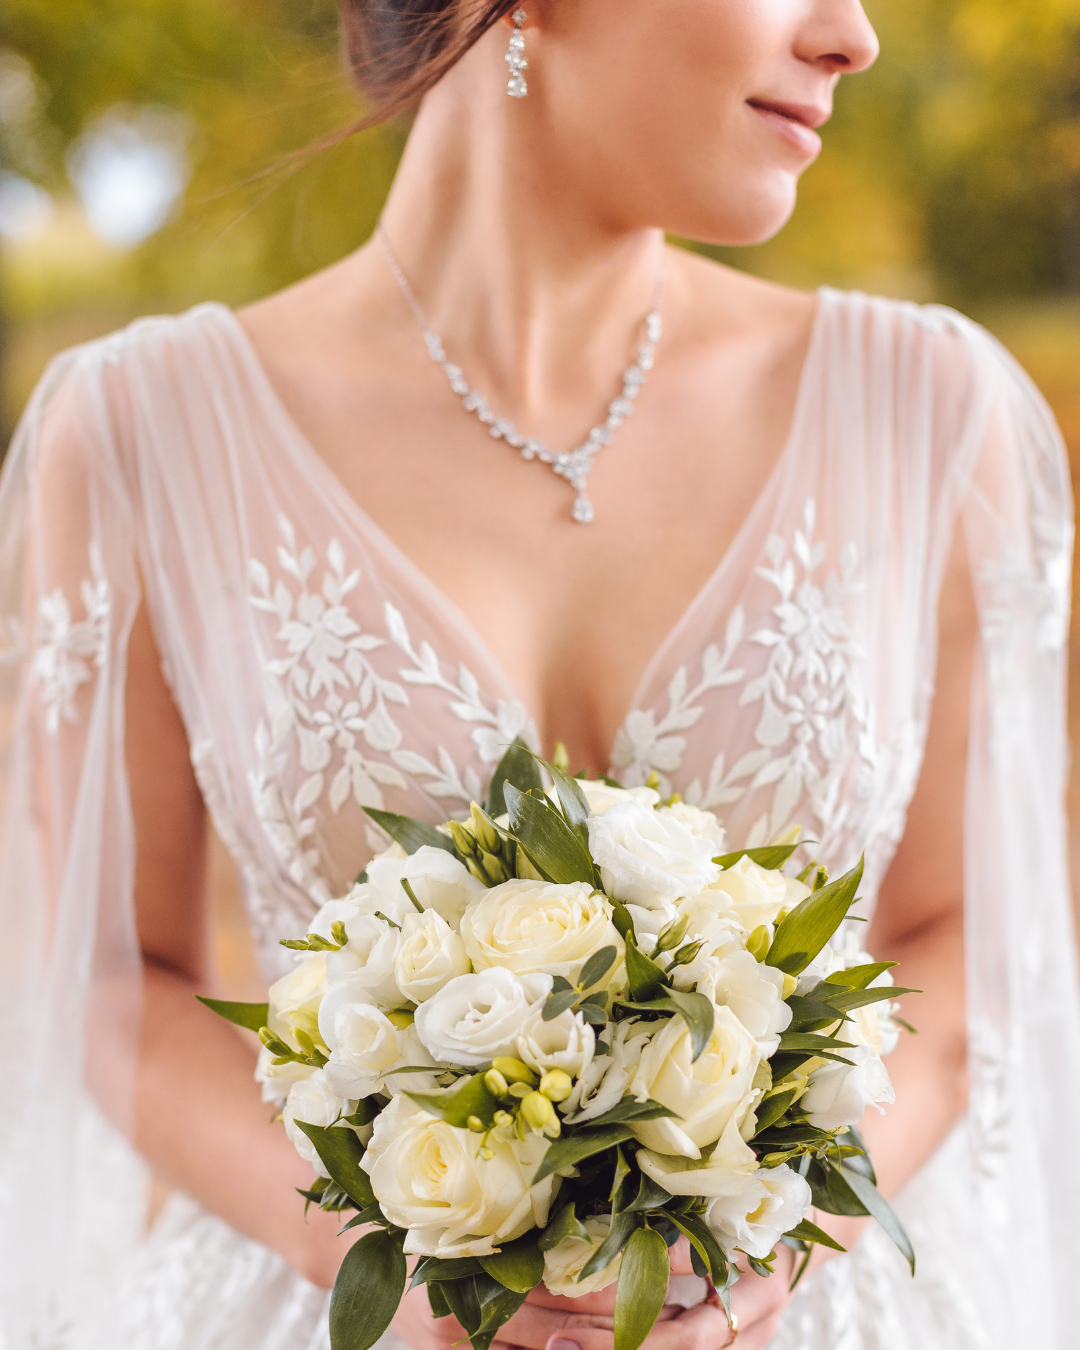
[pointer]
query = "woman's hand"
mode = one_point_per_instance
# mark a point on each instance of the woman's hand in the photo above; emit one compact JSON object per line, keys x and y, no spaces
{"x":546,"y":1322}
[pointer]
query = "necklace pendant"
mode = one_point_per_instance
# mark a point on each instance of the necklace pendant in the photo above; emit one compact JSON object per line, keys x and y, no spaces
{"x":583,"y":508}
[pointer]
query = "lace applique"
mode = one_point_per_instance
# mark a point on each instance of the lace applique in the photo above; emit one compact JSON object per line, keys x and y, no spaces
{"x":67,"y":651}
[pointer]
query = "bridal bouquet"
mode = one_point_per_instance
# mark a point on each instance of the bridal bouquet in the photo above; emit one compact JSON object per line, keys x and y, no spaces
{"x":542,"y":1044}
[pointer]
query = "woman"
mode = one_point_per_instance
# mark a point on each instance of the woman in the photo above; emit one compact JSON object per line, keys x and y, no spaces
{"x":271,"y":570}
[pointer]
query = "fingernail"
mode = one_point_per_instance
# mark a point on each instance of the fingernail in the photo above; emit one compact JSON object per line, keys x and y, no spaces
{"x":562,"y":1344}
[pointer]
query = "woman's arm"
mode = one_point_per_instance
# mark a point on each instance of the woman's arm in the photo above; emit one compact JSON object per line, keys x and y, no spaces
{"x":199,"y":1118}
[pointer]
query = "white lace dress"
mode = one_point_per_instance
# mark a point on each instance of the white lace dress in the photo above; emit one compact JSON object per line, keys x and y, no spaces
{"x":318,"y":671}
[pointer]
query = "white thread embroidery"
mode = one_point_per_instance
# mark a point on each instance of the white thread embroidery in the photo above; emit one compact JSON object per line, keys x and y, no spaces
{"x":67,"y":651}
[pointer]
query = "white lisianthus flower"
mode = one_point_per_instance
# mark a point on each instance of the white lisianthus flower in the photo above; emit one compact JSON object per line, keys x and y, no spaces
{"x":758,"y":894}
{"x":311,"y":1100}
{"x":393,"y":850}
{"x":439,"y":881}
{"x":604,"y":1082}
{"x":722,"y":1173}
{"x":430,"y":1179}
{"x":701,"y":823}
{"x":712,"y":921}
{"x":841,"y":1094}
{"x":277,"y":1079}
{"x":564,"y":1263}
{"x":649,"y":922}
{"x":477,"y":1017}
{"x":294,"y":999}
{"x":567,"y":1042}
{"x":536,"y":926}
{"x":754,"y":993}
{"x":753,"y":1218}
{"x":429,"y":955}
{"x":601,"y":796}
{"x":367,"y":959}
{"x":874,"y":1025}
{"x":647,"y":857}
{"x":705,"y":1095}
{"x":337,"y":911}
{"x":362,"y":1041}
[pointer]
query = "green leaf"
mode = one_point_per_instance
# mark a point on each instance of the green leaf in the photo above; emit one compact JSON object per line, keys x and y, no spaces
{"x":629,"y":1109}
{"x":497,"y":1305}
{"x":564,"y":1225}
{"x":554,"y":849}
{"x":438,"y":1268}
{"x":808,"y":927}
{"x":644,"y":976}
{"x":411,"y":834}
{"x":810,"y":1232}
{"x":254,"y":1016}
{"x":876,"y":1204}
{"x":650,"y":1195}
{"x":624,"y":923}
{"x":849,"y":1000}
{"x":517,"y":767}
{"x":464,"y":1302}
{"x":622,"y":1225}
{"x":517,"y":1265}
{"x":810,"y":1040}
{"x":860,"y":977}
{"x":341,"y":1151}
{"x":558,"y":1003}
{"x":575,"y":1148}
{"x":438,"y":1304}
{"x":597,"y":966}
{"x":810,"y":1013}
{"x":772,"y":856}
{"x":469,"y":1097}
{"x":831,"y":1192}
{"x":574,"y":803}
{"x":642,"y":1288}
{"x":695,"y":1010}
{"x":366,"y":1111}
{"x":772,"y":1108}
{"x":367,"y":1291}
{"x":706,"y":1246}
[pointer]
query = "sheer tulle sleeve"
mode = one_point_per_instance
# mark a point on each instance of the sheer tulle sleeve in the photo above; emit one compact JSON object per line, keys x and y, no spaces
{"x":71,"y":1189}
{"x":1024,"y":1024}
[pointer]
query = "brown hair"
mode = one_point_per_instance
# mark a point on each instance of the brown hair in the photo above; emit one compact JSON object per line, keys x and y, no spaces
{"x":397,"y":50}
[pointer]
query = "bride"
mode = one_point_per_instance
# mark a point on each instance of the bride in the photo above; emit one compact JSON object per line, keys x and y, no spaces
{"x":267,"y":568}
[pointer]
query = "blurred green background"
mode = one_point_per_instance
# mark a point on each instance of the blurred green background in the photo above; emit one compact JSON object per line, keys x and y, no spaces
{"x":130,"y":131}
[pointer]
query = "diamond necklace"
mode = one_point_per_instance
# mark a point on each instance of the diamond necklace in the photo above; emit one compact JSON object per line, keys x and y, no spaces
{"x":573,"y":465}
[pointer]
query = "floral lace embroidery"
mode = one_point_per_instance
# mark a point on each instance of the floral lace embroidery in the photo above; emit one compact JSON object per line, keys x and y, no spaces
{"x":67,"y":651}
{"x":326,"y":700}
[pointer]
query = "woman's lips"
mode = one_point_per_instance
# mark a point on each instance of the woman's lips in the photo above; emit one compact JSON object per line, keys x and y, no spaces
{"x":793,"y":121}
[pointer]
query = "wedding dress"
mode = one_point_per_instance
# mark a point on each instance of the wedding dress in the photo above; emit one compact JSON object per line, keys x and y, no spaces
{"x":318,"y":670}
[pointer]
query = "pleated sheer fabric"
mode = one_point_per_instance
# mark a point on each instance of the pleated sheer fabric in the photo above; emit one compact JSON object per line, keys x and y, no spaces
{"x":318,"y":671}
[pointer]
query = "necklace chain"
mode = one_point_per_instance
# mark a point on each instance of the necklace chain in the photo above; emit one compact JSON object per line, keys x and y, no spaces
{"x":573,"y":465}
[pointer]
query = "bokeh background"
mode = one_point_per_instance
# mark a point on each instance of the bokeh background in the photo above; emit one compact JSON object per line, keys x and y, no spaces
{"x":131,"y":131}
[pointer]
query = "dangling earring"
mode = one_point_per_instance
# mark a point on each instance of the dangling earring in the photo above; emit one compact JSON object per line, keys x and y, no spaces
{"x":515,"y":57}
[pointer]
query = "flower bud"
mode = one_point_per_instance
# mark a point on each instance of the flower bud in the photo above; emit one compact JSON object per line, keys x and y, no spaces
{"x":475,"y":1124}
{"x":556,"y":1085}
{"x":494,"y":868}
{"x":539,"y":1114}
{"x":401,"y":1018}
{"x":496,"y":1084}
{"x":790,"y":985}
{"x":561,"y":757}
{"x":484,"y":829}
{"x":503,"y":1118}
{"x":463,"y":838}
{"x":672,"y":933}
{"x":759,"y":942}
{"x":513,"y":1070}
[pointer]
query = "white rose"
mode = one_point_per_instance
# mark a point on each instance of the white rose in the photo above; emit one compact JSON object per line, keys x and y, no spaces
{"x":476,"y":1018}
{"x":439,"y":881}
{"x":604,"y":1082}
{"x":564,"y":1263}
{"x":839,"y":1094}
{"x":367,"y":959}
{"x":362,"y":1041}
{"x":731,"y":1158}
{"x":647,"y":856}
{"x":277,"y":1079}
{"x":705,"y":1095}
{"x":567,"y":1042}
{"x":429,"y":955}
{"x":758,"y":894}
{"x":536,"y":926}
{"x":430,"y":1179}
{"x":754,"y":993}
{"x":313,"y":1101}
{"x":753,"y":1218}
{"x":701,"y":823}
{"x":294,"y":999}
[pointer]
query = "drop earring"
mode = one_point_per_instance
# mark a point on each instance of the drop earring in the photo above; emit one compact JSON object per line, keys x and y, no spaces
{"x":515,"y":57}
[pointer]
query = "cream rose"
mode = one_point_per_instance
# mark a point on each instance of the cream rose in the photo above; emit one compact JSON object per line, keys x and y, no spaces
{"x":567,"y":1042}
{"x":753,"y":1218}
{"x":758,"y":894}
{"x":536,"y":926}
{"x":723,"y":1173}
{"x":477,"y":1017}
{"x":647,"y":857}
{"x":313,"y":1101}
{"x":430,"y":1179}
{"x":706,"y":1095}
{"x":564,"y":1263}
{"x":429,"y":955}
{"x":841,"y":1094}
{"x":754,"y":993}
{"x":362,"y":1041}
{"x":294,"y":999}
{"x":439,"y":882}
{"x":367,"y":959}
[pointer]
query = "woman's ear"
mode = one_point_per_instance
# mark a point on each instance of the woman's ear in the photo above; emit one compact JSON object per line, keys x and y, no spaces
{"x":532,"y":11}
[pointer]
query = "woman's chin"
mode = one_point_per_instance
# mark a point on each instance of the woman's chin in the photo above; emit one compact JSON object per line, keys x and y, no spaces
{"x":760,"y":216}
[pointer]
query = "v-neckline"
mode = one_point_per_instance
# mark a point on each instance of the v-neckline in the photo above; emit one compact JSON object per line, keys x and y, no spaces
{"x":314,"y":466}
